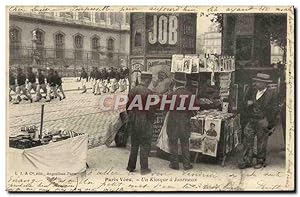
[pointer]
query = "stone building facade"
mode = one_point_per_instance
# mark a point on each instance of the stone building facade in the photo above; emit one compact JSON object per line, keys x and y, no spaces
{"x":69,"y":41}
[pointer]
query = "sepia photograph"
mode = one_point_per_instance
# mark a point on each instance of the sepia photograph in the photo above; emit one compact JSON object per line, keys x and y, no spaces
{"x":210,"y":146}
{"x":196,"y":144}
{"x":197,"y":125}
{"x":150,"y":98}
{"x":212,"y":127}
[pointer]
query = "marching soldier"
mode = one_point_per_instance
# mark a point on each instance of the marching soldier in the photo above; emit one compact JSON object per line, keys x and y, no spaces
{"x":98,"y":82}
{"x":122,"y":82}
{"x":12,"y":83}
{"x":59,"y":84}
{"x":114,"y":77}
{"x":52,"y":83}
{"x":21,"y":86}
{"x":140,"y":127}
{"x":105,"y":80}
{"x":93,"y":79}
{"x":84,"y":77}
{"x":262,"y":110}
{"x":40,"y":85}
{"x":31,"y":79}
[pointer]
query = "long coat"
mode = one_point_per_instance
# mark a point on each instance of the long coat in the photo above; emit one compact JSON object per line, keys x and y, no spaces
{"x":178,"y":123}
{"x":265,"y":107}
{"x":140,"y":122}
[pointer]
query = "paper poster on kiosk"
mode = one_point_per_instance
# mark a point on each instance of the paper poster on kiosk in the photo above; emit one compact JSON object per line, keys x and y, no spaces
{"x":177,"y":63}
{"x":210,"y":146}
{"x":161,"y":74}
{"x":196,"y":144}
{"x":213,"y":127}
{"x":187,"y":65}
{"x":194,"y":63}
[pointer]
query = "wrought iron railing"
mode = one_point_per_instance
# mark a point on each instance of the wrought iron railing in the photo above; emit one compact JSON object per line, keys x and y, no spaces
{"x":68,"y":61}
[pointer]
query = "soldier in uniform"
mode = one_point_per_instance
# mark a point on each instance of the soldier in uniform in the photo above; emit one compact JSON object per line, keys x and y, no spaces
{"x":212,"y":131}
{"x":21,"y":86}
{"x":105,"y":79}
{"x":52,"y":81}
{"x":59,"y":84}
{"x":93,"y":79}
{"x":140,"y":127}
{"x":31,"y":79}
{"x":12,"y":83}
{"x":262,"y":110}
{"x":178,"y":124}
{"x":122,"y":83}
{"x":40,"y":85}
{"x":99,"y":81}
{"x":84,"y":78}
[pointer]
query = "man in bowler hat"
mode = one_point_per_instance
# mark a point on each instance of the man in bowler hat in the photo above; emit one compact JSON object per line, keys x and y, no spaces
{"x":262,"y":109}
{"x":140,"y":126}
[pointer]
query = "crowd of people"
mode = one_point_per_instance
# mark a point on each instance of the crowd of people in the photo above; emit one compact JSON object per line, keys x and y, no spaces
{"x":34,"y":86}
{"x":104,"y":81}
{"x":22,"y":83}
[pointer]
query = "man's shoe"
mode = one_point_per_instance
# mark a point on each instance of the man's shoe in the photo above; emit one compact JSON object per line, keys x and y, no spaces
{"x":145,"y":171}
{"x":174,"y":167}
{"x":243,"y":165}
{"x":188,"y":167}
{"x":130,"y":169}
{"x":259,"y":165}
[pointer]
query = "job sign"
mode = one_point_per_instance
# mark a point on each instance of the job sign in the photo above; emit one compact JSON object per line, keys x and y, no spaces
{"x":164,"y":30}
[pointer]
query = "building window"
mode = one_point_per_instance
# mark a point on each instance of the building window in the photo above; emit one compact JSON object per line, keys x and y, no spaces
{"x":39,"y":37}
{"x":14,"y":35}
{"x":127,"y":19}
{"x":80,"y":15}
{"x":138,"y":39}
{"x":14,"y":42}
{"x":59,"y":45}
{"x":66,"y":14}
{"x":112,"y":17}
{"x":100,"y":17}
{"x":87,"y":16}
{"x":95,"y":48}
{"x":110,"y":44}
{"x":78,"y":43}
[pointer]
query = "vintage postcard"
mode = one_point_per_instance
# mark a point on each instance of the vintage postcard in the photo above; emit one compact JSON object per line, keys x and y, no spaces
{"x":111,"y":98}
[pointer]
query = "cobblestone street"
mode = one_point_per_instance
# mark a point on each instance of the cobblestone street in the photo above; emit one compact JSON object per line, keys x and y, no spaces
{"x":78,"y":112}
